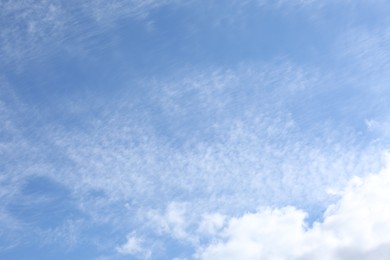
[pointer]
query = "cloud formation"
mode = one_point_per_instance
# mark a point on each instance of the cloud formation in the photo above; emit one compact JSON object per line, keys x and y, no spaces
{"x":162,"y":129}
{"x":355,"y":227}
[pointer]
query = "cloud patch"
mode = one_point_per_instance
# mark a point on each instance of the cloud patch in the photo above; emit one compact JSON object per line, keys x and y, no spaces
{"x":133,"y":246}
{"x":356,"y":227}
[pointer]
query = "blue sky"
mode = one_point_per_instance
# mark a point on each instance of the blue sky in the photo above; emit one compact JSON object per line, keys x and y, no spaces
{"x":194,"y":129}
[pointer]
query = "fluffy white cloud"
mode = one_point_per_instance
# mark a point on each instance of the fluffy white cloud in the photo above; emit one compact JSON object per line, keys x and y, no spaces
{"x":253,"y":236}
{"x":356,"y":227}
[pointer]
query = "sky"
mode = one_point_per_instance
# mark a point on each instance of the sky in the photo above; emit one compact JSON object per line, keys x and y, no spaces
{"x":147,"y":129}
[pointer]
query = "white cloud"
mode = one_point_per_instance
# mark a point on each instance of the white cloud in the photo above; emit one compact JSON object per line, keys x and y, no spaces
{"x":356,"y":227}
{"x":133,"y":246}
{"x":259,"y":236}
{"x":173,"y":221}
{"x":211,"y":223}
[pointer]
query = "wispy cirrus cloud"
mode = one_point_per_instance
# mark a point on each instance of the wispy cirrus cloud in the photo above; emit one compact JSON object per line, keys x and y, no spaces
{"x":33,"y":30}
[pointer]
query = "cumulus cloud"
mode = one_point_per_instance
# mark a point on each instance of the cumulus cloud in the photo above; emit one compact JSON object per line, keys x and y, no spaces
{"x":356,"y":227}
